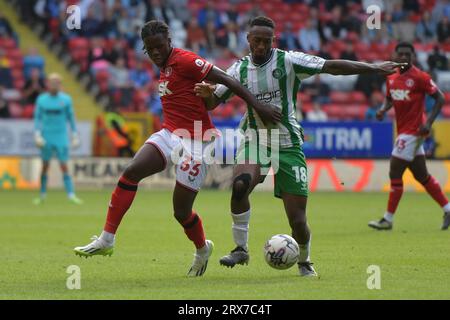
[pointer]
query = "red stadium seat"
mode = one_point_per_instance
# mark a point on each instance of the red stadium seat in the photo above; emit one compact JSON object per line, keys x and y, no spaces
{"x":303,"y":97}
{"x":355,"y":112}
{"x":447,"y":97}
{"x":19,"y":83}
{"x":78,"y":43}
{"x":358,"y":97}
{"x":340,"y":97}
{"x":7,"y":43}
{"x":446,"y":111}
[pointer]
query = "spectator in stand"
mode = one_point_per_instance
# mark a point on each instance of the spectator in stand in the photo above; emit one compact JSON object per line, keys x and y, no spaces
{"x":426,"y":28}
{"x":232,"y":14}
{"x":155,"y":106}
{"x":6,"y":79}
{"x":316,"y":114}
{"x":437,"y":60}
{"x":349,"y":52}
{"x":4,"y":106}
{"x":116,"y":124}
{"x":368,"y":83}
{"x":5,"y":27}
{"x":324,"y":52}
{"x":254,"y":12}
{"x":375,"y":103}
{"x":440,"y":9}
{"x":126,"y":26}
{"x":335,"y":28}
{"x":309,"y":37}
{"x":109,"y":25}
{"x":92,"y":25}
{"x":98,"y":58}
{"x":443,"y":30}
{"x":33,"y":60}
{"x":159,"y":10}
{"x":228,"y":37}
{"x":404,"y":30}
{"x":398,"y":15}
{"x":210,"y":33}
{"x":118,"y":51}
{"x":209,"y":14}
{"x":120,"y":82}
{"x":137,"y":10}
{"x":34,"y":86}
{"x":196,"y":39}
{"x":352,"y":20}
{"x":139,"y":76}
{"x":411,"y":6}
{"x":318,"y":90}
{"x":115,"y":8}
{"x":288,"y":41}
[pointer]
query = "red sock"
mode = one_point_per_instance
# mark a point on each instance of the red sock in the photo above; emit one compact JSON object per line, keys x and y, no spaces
{"x":193,"y":228}
{"x":435,"y":191}
{"x":121,"y":200}
{"x":395,"y":195}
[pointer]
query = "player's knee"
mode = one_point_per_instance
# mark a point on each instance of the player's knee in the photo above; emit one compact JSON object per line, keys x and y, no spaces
{"x":422,"y":178}
{"x":182,"y":215}
{"x":394,"y":175}
{"x":241,"y":186}
{"x":133,"y":172}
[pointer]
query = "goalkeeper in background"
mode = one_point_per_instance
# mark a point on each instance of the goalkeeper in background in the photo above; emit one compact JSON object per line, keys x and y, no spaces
{"x":52,"y":112}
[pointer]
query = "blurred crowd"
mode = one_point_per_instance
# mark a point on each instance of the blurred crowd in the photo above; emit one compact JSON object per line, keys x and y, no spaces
{"x":217,"y":30}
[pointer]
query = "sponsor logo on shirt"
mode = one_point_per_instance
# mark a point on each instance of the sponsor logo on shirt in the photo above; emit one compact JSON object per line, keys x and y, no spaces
{"x":400,"y":95}
{"x":199,"y":62}
{"x":268,"y":96}
{"x":163,"y":88}
{"x":409,"y":83}
{"x":168,"y":71}
{"x":277,"y":73}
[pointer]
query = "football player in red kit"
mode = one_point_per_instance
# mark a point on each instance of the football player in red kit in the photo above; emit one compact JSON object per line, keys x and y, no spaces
{"x":186,"y":125}
{"x":405,"y":91}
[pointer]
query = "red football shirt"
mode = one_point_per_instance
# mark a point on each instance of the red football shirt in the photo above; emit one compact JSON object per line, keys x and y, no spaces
{"x":407,"y":91}
{"x":181,"y":107}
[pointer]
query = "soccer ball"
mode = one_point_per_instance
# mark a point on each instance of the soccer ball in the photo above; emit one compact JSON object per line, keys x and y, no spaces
{"x":281,"y":251}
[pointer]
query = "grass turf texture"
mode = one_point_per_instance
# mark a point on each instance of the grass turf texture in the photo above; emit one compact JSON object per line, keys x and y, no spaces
{"x":152,"y":254}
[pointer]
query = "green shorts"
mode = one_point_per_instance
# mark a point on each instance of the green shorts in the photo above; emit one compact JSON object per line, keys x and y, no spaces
{"x":289,"y":166}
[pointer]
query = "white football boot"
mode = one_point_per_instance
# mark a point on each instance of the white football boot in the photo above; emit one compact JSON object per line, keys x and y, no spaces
{"x":96,"y":247}
{"x":200,"y":262}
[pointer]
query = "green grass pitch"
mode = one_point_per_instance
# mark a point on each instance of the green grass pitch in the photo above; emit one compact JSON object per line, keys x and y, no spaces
{"x":152,"y":254}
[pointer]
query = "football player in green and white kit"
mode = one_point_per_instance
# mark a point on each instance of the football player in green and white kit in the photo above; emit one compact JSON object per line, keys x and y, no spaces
{"x":274,"y":76}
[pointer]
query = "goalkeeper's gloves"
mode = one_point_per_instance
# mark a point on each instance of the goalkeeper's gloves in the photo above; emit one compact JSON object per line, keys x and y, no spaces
{"x":75,"y":140}
{"x":38,"y":139}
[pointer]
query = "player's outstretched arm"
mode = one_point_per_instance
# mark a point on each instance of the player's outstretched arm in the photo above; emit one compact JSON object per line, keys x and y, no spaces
{"x":265,"y":111}
{"x":347,"y":67}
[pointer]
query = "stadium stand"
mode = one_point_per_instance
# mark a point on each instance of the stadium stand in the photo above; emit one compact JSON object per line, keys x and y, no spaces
{"x":217,"y":29}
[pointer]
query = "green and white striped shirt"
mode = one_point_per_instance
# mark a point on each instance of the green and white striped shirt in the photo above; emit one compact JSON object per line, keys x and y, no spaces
{"x":277,"y":82}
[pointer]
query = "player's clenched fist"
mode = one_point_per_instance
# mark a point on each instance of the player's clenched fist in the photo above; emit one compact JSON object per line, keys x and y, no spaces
{"x":380,"y":114}
{"x":204,"y":90}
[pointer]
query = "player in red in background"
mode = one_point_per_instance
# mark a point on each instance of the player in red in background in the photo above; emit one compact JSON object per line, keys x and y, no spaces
{"x":180,"y":70}
{"x":405,"y":91}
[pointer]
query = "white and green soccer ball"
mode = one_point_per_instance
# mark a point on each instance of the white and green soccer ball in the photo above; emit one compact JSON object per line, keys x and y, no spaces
{"x":281,"y":251}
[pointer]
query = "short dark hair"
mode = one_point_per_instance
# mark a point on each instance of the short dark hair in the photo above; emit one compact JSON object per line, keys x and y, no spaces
{"x":154,"y":27}
{"x":405,"y":44}
{"x":263,"y":22}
